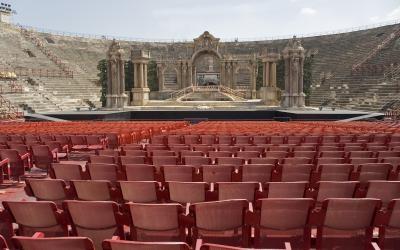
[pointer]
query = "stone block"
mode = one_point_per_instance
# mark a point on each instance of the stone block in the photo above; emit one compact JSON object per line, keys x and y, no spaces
{"x":140,"y":96}
{"x":269,"y":95}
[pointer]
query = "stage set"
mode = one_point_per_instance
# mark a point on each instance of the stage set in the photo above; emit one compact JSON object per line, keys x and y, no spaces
{"x":209,"y":84}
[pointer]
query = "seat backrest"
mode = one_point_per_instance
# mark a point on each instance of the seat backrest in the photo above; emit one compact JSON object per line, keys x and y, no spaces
{"x":178,"y":173}
{"x":33,"y":216}
{"x":347,"y":223}
{"x":296,"y":161}
{"x":335,"y":189}
{"x":102,"y":159}
{"x":335,"y":172}
{"x":140,"y":191}
{"x":233,"y":161}
{"x":299,"y":172}
{"x":256,"y":172}
{"x":284,"y":213}
{"x":236,"y":190}
{"x":276,"y":154}
{"x":287,"y":217}
{"x":187,"y":192}
{"x":139,"y":172}
{"x":248,"y":154}
{"x":374,"y":171}
{"x":149,"y":221}
{"x":47,"y":189}
{"x":92,"y":190}
{"x":140,"y":245}
{"x":100,"y":223}
{"x":217,"y":173}
{"x":207,"y":139}
{"x":11,"y":154}
{"x":165,"y":160}
{"x":264,"y":160}
{"x":219,"y":216}
{"x":125,"y":160}
{"x":109,"y":152}
{"x":197,"y":160}
{"x":162,"y":153}
{"x":66,"y":172}
{"x":78,"y":140}
{"x":285,"y":189}
{"x":260,"y":139}
{"x":383,"y":190}
{"x":101,"y":171}
{"x":59,"y":243}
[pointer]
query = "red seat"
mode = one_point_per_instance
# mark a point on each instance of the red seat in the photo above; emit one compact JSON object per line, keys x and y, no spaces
{"x":277,"y":221}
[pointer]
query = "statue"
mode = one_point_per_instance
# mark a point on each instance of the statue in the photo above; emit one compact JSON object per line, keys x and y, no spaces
{"x":293,"y":54}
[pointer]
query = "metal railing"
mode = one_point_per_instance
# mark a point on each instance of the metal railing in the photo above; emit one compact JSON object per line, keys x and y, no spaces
{"x":376,"y":50}
{"x":183,"y":40}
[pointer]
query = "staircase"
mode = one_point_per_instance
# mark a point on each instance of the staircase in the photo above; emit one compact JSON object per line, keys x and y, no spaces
{"x":50,"y":55}
{"x":231,"y":94}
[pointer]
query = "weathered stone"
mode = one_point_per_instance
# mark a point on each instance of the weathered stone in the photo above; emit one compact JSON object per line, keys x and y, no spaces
{"x":116,"y":97}
{"x":293,"y":54}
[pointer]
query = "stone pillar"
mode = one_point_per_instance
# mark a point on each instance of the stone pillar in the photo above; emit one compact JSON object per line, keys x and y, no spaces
{"x":254,"y":67}
{"x":293,"y":54}
{"x":269,"y":92}
{"x":115,"y":97}
{"x":140,"y":91}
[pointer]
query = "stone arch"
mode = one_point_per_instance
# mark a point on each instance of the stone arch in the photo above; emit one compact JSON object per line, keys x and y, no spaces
{"x":205,"y":51}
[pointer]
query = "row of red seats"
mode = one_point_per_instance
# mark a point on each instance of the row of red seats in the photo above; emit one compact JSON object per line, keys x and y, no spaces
{"x":209,"y":139}
{"x":292,"y":128}
{"x":226,"y":173}
{"x":58,"y":190}
{"x":341,"y":223}
{"x":39,"y":241}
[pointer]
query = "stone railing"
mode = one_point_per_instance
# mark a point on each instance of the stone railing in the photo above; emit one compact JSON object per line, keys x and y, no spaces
{"x":39,"y":44}
{"x":233,"y":92}
{"x":378,"y":48}
{"x":176,"y":94}
{"x":209,"y":88}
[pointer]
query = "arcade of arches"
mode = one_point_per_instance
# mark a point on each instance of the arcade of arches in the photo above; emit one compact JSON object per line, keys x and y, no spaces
{"x":209,"y":68}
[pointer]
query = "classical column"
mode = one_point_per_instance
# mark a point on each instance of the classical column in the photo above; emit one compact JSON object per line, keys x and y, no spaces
{"x":190,"y":75}
{"x":254,"y":80}
{"x":140,"y":75}
{"x":272,"y":82}
{"x":269,"y":92}
{"x":222,"y":74}
{"x":140,"y":90}
{"x":115,"y":96}
{"x":293,"y":55}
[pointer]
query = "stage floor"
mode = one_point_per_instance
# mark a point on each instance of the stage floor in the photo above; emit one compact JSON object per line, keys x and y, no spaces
{"x":220,"y":113}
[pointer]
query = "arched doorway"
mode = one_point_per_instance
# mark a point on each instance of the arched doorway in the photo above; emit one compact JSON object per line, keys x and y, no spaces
{"x":206,"y":68}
